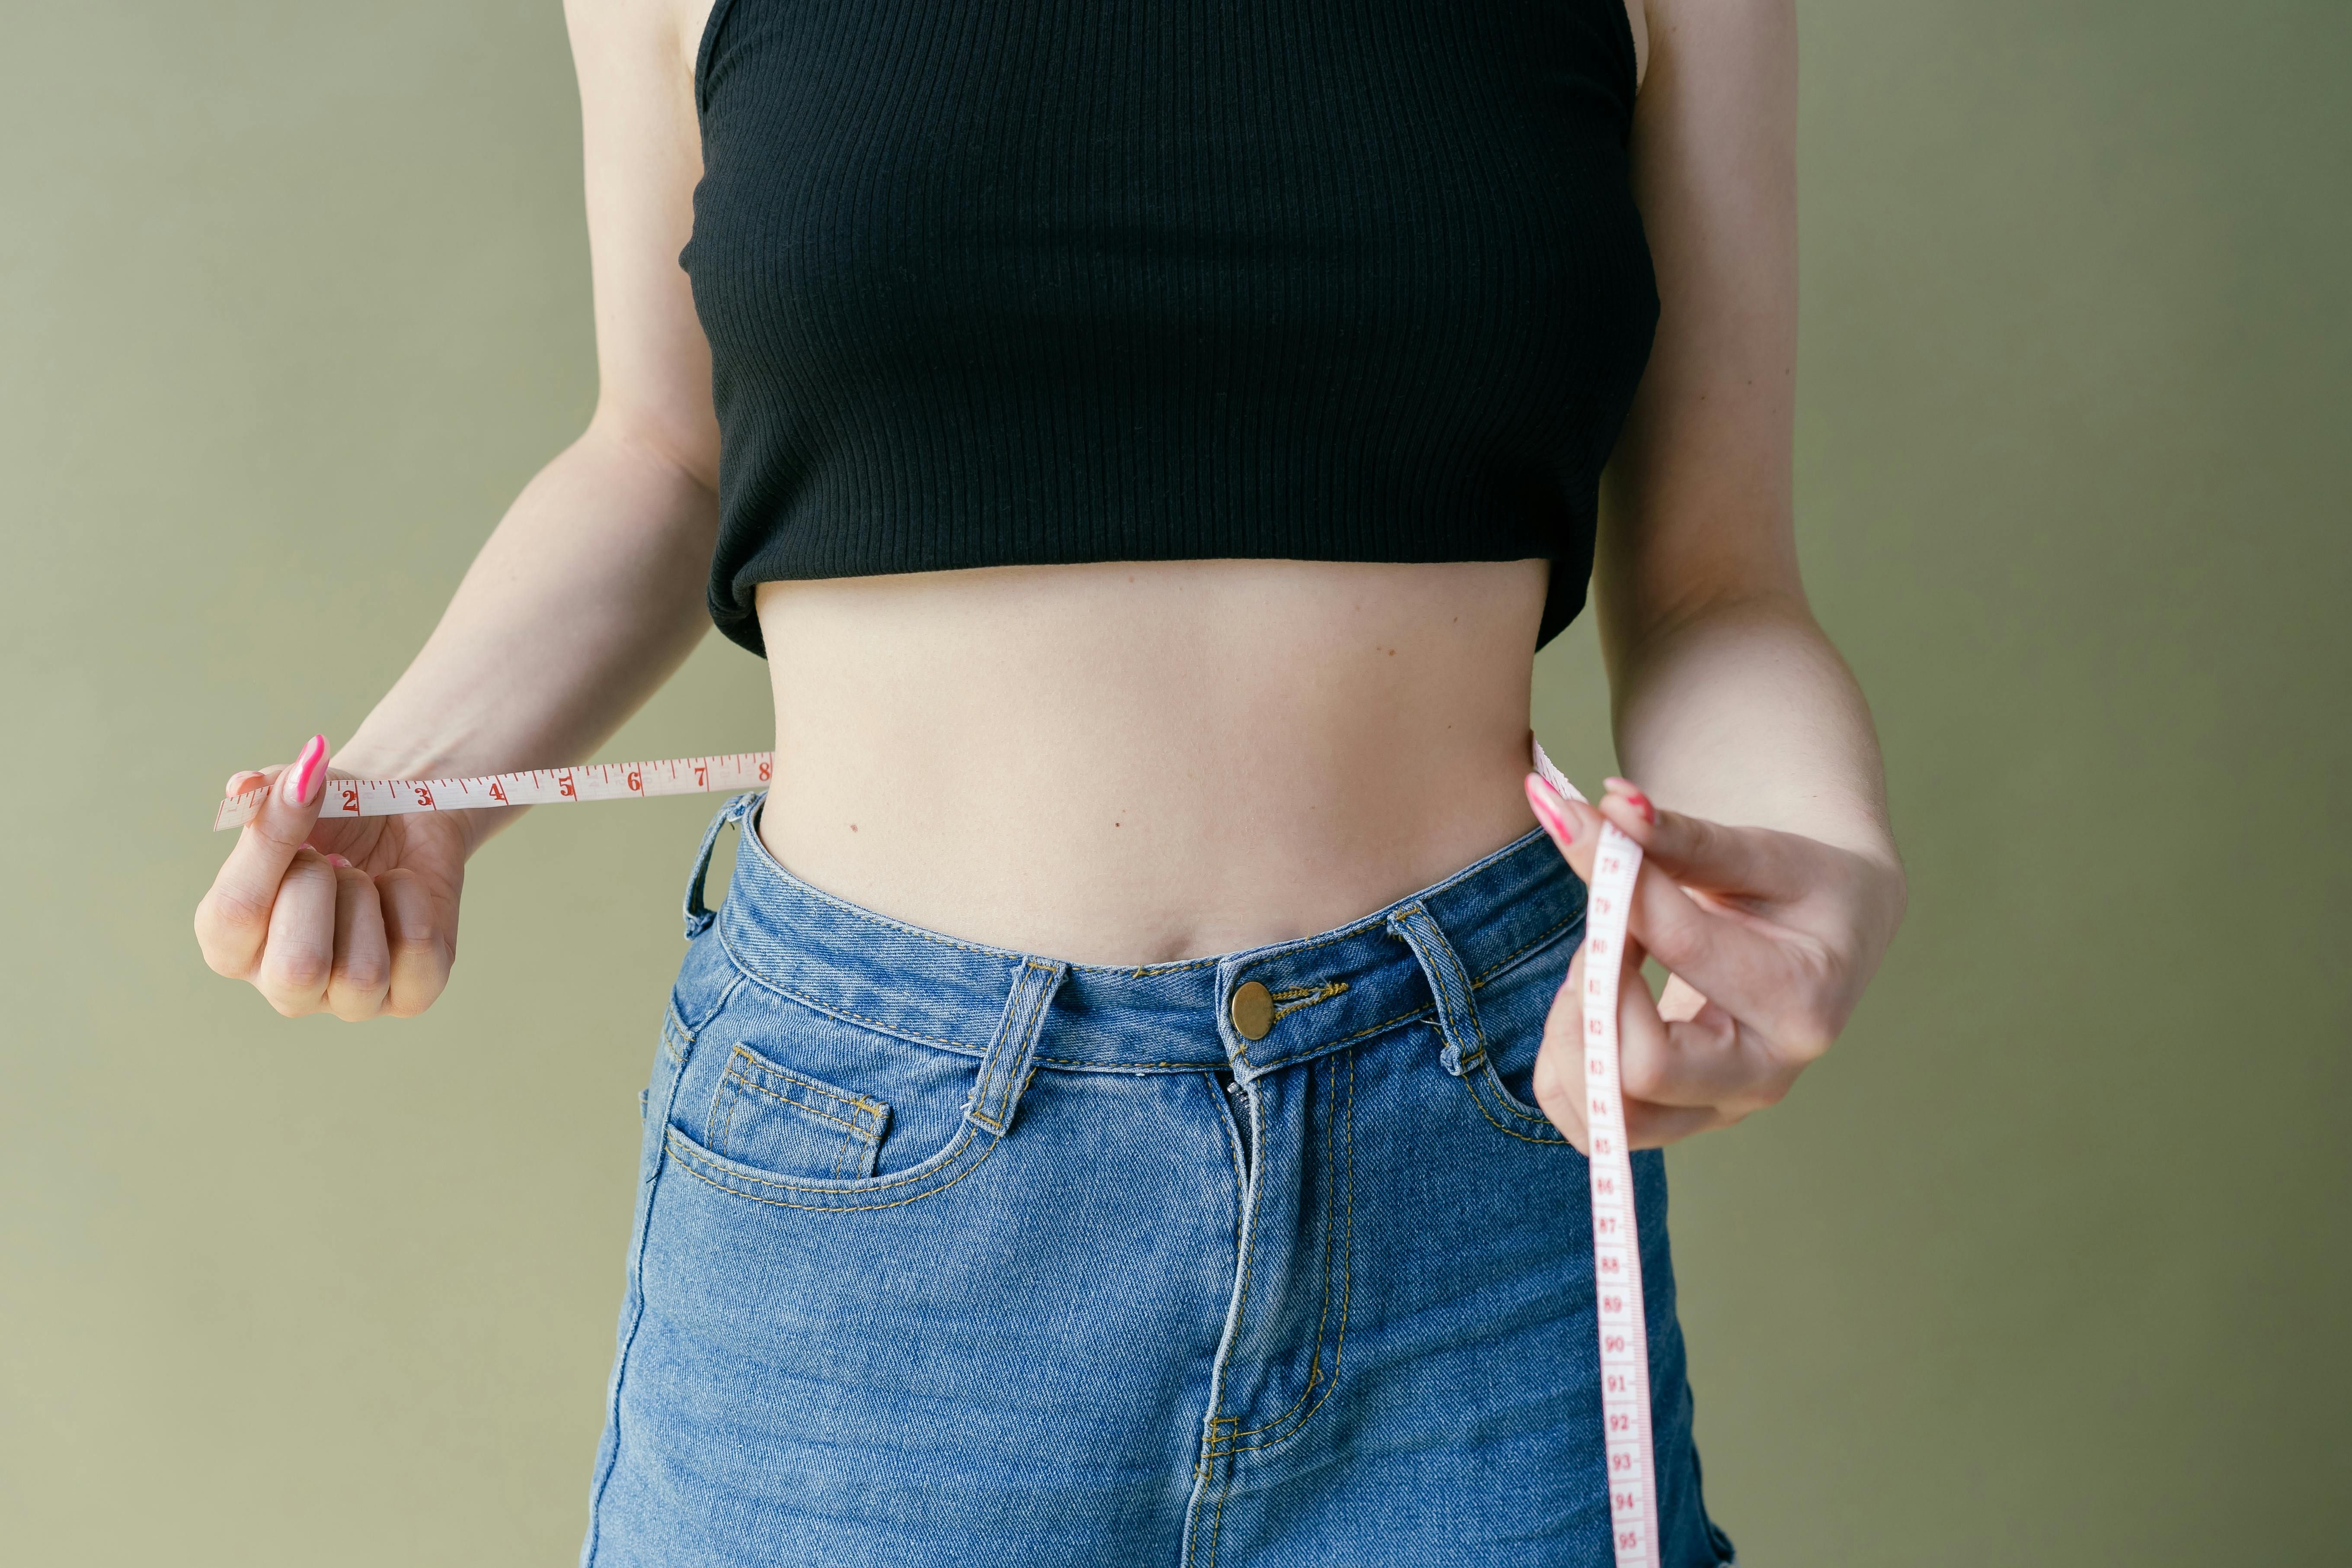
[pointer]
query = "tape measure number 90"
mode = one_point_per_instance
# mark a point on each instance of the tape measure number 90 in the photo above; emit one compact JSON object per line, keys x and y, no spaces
{"x":1616,"y":1234}
{"x":1616,"y":1238}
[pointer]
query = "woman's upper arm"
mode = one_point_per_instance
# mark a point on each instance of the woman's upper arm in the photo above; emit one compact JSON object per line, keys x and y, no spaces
{"x":1698,"y":508}
{"x":642,"y":149}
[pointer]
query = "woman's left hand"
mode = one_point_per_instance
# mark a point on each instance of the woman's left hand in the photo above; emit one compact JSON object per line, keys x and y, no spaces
{"x":1769,"y":938}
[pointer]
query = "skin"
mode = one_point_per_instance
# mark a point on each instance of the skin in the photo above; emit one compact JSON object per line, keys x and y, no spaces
{"x":1128,"y":762}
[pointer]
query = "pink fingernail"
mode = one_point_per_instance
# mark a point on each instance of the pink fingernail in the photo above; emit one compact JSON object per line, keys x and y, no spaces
{"x":1634,"y":799}
{"x":1539,"y":799}
{"x":301,"y":779}
{"x":339,"y":862}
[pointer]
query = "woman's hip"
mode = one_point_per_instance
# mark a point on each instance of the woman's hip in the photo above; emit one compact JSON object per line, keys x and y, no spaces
{"x":948,"y":1249}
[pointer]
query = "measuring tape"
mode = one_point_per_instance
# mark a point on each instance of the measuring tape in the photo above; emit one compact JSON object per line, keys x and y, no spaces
{"x":537,"y":786}
{"x":1616,"y":1234}
{"x":1616,"y":1238}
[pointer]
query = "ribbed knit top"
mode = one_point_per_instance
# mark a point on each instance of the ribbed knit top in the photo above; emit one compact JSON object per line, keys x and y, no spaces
{"x":995,"y":282}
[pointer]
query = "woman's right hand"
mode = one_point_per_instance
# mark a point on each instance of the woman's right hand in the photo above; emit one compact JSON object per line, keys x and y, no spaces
{"x":353,"y":916}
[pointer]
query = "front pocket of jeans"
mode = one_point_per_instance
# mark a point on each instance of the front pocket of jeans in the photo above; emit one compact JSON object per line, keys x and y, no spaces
{"x":968,"y":1150}
{"x":772,"y":1118}
{"x":1513,"y":1008}
{"x":1506,"y":1110}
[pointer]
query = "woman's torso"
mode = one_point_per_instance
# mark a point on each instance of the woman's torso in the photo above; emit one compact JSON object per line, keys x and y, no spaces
{"x":1132,"y":762}
{"x":1264,"y":371}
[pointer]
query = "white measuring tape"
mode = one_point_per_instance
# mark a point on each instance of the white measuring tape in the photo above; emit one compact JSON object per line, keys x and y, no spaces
{"x":1616,"y":1238}
{"x":1616,"y":1234}
{"x":537,"y":786}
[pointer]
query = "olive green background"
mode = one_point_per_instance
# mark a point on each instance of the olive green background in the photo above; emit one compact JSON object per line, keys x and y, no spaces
{"x":2045,"y":1264}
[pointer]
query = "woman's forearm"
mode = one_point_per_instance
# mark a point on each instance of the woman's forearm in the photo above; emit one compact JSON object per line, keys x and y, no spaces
{"x":586,"y":597}
{"x":1743,"y":712}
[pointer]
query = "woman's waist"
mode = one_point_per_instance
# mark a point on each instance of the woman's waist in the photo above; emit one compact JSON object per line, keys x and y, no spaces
{"x":1130,"y":869}
{"x":1139,"y":765}
{"x":1336,"y":985}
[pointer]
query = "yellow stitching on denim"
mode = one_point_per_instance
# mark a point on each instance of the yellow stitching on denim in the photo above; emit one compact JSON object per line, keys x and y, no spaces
{"x":725,"y":995}
{"x":1234,"y":1140}
{"x":1294,"y":997}
{"x":1217,"y":1529}
{"x":674,"y":1021}
{"x":1347,"y":1284}
{"x":1486,"y":973}
{"x":1192,"y":1548}
{"x":1020,"y":1027}
{"x":760,"y":1063}
{"x":1241,"y":1309}
{"x":1507,"y":1108}
{"x":732,"y":1076}
{"x":1364,"y":927}
{"x":1032,"y":1019}
{"x":1325,"y":1047}
{"x":717,"y":1136}
{"x":978,"y":1108}
{"x":1449,"y":964}
{"x":1008,"y":1027}
{"x":929,"y":1168}
{"x":1332,"y":1097}
{"x":1503,"y":1100}
{"x":1330,"y":1200}
{"x":801,"y":1106}
{"x":1024,"y":1038}
{"x":1389,"y":1024}
{"x":1481,"y":979}
{"x":688,"y":1165}
{"x":1480,"y":1101}
{"x":744,"y":970}
{"x":1144,"y":971}
{"x":1484,"y":1059}
{"x":859,"y":1157}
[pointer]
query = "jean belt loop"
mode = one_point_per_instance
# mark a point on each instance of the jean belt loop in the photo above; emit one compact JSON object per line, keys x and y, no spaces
{"x":698,"y":914}
{"x":1005,"y":1071}
{"x":1457,"y":1015}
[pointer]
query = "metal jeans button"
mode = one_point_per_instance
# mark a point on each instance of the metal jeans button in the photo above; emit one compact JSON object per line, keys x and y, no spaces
{"x":1252,"y":1010}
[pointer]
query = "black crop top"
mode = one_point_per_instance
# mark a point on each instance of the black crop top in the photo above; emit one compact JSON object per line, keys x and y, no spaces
{"x":996,"y":282}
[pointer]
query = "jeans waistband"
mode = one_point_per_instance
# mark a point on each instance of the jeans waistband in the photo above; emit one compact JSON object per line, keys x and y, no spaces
{"x":1419,"y":959}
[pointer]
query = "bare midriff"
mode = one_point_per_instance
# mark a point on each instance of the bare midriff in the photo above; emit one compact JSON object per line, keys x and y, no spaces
{"x":1130,"y":763}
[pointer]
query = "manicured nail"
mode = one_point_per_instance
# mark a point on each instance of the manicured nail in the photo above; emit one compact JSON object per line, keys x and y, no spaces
{"x":1634,"y":799}
{"x":1539,"y":797}
{"x":301,"y":781}
{"x":339,"y":862}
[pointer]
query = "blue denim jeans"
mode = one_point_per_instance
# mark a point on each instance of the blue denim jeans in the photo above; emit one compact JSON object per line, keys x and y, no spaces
{"x":949,"y":1253}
